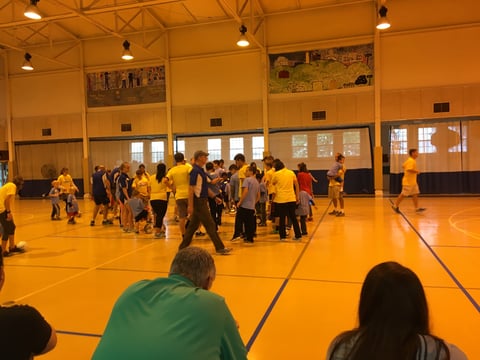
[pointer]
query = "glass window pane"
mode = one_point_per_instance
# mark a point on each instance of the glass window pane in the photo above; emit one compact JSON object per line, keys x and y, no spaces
{"x":136,"y":151}
{"x":236,"y":147}
{"x":214,"y":149}
{"x":258,"y":147}
{"x":325,"y":145}
{"x":299,"y":146}
{"x":398,"y":141}
{"x":425,"y":145}
{"x":158,"y":151}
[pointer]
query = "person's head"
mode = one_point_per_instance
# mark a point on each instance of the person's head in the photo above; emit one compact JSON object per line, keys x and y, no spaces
{"x":195,"y":264}
{"x":54,"y":183}
{"x":278,"y":164}
{"x":135,"y":193}
{"x":250,"y":171}
{"x":125,"y":167}
{"x":179,"y":158}
{"x":64,"y":171}
{"x":18,"y":181}
{"x":141,"y":167}
{"x":73,"y":190}
{"x":259,"y":176}
{"x":139,"y":173}
{"x":339,"y":157}
{"x":216,"y":164}
{"x":413,"y":153}
{"x":161,"y":171}
{"x":209,"y":166}
{"x":200,"y":157}
{"x":239,"y":160}
{"x":392,"y":298}
{"x":302,"y":167}
{"x":233,"y":169}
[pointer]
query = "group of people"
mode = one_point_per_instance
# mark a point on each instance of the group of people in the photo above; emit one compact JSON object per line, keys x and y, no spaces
{"x":179,"y":318}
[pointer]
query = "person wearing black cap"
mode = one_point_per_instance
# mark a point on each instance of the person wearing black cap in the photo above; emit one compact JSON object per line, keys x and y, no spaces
{"x":198,"y":195}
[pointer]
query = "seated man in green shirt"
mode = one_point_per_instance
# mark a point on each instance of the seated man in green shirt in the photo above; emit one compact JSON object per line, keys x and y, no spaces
{"x":173,"y":318}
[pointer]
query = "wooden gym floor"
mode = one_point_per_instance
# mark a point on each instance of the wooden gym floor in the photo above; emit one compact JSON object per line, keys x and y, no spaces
{"x":290,"y":298}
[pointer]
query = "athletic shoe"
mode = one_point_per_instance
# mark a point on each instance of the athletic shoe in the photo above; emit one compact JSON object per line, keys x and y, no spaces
{"x":283,"y":238}
{"x":199,"y":233}
{"x":396,"y":209}
{"x":92,"y":223}
{"x":419,"y":210}
{"x":310,"y":219}
{"x":107,"y":222}
{"x":304,"y":233}
{"x":248,"y":242}
{"x":16,"y":249}
{"x":6,"y":254}
{"x":236,"y":238}
{"x":297,"y":238}
{"x":340,"y":214}
{"x":333,"y":212}
{"x":224,"y":251}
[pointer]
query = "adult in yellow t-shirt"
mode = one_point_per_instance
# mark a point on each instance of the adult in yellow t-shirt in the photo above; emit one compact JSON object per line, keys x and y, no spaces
{"x":409,"y":182}
{"x":179,"y":179}
{"x":7,"y":197}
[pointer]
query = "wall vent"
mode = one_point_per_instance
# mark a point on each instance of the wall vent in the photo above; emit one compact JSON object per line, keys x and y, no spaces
{"x":126,"y":127}
{"x":319,"y":115}
{"x":47,"y":132}
{"x":441,"y":107}
{"x":215,"y":122}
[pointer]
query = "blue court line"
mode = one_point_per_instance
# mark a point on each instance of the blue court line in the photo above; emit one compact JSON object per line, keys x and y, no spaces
{"x":442,"y":264}
{"x":77,"y":333}
{"x":267,"y":313}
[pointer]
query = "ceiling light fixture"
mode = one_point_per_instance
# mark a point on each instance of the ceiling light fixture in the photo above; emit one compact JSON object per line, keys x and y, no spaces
{"x":27,"y":65}
{"x":243,"y":41}
{"x":383,"y":22}
{"x":31,"y":11}
{"x":127,"y":54}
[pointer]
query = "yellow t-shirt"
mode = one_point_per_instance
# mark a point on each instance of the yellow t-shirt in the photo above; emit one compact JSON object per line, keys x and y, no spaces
{"x":409,"y":178}
{"x":283,"y":181}
{"x":268,"y":180}
{"x":179,"y":175}
{"x":158,"y":190}
{"x":242,"y":174}
{"x":8,"y":189}
{"x":141,"y":184}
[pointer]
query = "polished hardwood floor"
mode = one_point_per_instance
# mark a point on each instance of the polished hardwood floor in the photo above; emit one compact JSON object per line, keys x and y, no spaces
{"x":290,"y":298}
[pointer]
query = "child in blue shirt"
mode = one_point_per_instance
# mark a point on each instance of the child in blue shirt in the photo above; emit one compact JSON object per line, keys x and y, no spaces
{"x":54,"y":196}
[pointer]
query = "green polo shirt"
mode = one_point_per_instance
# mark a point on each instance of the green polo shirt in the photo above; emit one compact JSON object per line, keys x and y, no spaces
{"x":170,"y":318}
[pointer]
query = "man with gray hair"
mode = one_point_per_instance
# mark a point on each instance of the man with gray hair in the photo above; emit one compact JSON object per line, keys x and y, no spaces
{"x":173,"y":318}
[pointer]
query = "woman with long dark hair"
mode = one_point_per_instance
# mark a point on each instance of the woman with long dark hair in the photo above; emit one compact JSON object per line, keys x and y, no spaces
{"x":393,"y":321}
{"x":158,"y":198}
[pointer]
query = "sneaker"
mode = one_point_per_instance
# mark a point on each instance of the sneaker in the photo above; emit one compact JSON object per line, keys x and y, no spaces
{"x":297,"y":238}
{"x":248,"y":242}
{"x":333,"y":212}
{"x":235,"y":238}
{"x":15,"y":249}
{"x":310,"y":219}
{"x":107,"y":222}
{"x":419,"y":210}
{"x":159,"y":235}
{"x":6,"y":254}
{"x":224,"y":251}
{"x":396,"y":209}
{"x":283,"y":238}
{"x":340,"y":214}
{"x":92,"y":223}
{"x":304,"y":233}
{"x":199,"y":233}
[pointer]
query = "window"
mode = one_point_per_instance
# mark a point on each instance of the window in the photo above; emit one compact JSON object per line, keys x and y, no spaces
{"x":325,"y":145}
{"x":425,"y":145}
{"x":236,"y":147}
{"x":136,"y":151}
{"x":158,"y":151}
{"x":214,"y":149}
{"x":258,"y":147}
{"x":179,"y":147}
{"x":398,"y":141}
{"x":351,"y":143}
{"x":461,"y":145}
{"x":299,"y":146}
